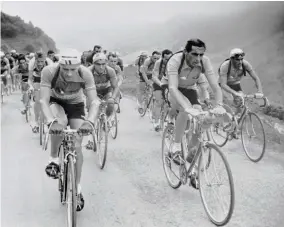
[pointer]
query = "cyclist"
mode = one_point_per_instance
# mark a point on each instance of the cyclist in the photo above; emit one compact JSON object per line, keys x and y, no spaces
{"x":119,"y":60}
{"x":97,"y":49}
{"x":34,"y":85}
{"x":84,"y":59}
{"x":112,"y":62}
{"x":51,"y":55}
{"x":146,"y":75}
{"x":231,"y":72}
{"x":105,"y":81}
{"x":185,"y":70}
{"x":23,"y":71}
{"x":158,"y":73}
{"x":61,"y":100}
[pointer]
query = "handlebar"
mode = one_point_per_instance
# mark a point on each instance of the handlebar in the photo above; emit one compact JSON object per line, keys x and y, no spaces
{"x":256,"y":96}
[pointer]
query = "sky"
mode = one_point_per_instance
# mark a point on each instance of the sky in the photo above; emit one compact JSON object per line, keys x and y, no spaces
{"x":61,"y":19}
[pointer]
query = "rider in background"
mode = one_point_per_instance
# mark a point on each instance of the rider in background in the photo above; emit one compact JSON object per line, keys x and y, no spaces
{"x":97,"y":49}
{"x":158,"y":72}
{"x":112,"y":62}
{"x":34,"y":85}
{"x":105,"y":81}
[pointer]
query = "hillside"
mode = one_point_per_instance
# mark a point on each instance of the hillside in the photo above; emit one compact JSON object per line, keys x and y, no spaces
{"x":23,"y":37}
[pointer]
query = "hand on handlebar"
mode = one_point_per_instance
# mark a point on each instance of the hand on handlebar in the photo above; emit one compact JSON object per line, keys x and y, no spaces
{"x":56,"y":128}
{"x":86,"y":128}
{"x":258,"y":95}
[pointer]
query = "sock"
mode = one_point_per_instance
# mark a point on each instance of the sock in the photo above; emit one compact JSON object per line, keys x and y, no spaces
{"x":55,"y":160}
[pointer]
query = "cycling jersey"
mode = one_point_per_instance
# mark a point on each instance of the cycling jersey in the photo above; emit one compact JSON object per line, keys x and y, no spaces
{"x":67,"y":88}
{"x":235,"y":75}
{"x":37,"y":75}
{"x":22,"y":69}
{"x":102,"y":81}
{"x":159,"y":69}
{"x":148,"y":66}
{"x":189,"y":77}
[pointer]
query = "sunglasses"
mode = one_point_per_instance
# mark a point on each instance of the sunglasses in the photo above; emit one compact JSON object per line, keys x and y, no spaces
{"x":98,"y":64}
{"x":237,"y":56}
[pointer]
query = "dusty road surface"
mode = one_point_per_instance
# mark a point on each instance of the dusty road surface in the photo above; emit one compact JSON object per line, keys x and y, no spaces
{"x":132,"y":189}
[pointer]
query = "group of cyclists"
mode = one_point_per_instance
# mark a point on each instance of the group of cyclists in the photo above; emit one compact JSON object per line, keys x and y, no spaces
{"x":64,"y":87}
{"x":182,"y":80}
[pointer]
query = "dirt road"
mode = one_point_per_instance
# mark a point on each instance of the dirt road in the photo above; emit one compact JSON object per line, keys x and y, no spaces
{"x":132,"y":189}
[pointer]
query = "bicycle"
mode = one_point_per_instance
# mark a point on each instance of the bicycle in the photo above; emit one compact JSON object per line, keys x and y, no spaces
{"x":2,"y":92}
{"x":113,"y":123}
{"x":147,"y":100}
{"x":100,"y":135}
{"x":203,"y":159}
{"x":27,"y":111}
{"x":230,"y":131}
{"x":67,"y":175}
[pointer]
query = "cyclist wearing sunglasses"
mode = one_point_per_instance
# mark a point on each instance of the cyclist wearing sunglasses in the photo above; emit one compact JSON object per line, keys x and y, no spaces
{"x":146,"y":75}
{"x":105,"y":81}
{"x":185,"y":70}
{"x":158,"y":73}
{"x":61,"y":100}
{"x":231,"y":72}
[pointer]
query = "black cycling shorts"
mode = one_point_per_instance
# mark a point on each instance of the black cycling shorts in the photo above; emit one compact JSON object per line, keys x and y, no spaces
{"x":25,"y":78}
{"x":149,"y":76}
{"x":36,"y":79}
{"x":4,"y":79}
{"x":235,"y":87}
{"x":103,"y":92}
{"x":156,"y":87}
{"x":73,"y":111}
{"x":191,"y":95}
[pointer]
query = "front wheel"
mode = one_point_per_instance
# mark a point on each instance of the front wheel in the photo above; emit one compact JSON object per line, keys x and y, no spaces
{"x":253,"y":137}
{"x":71,"y":193}
{"x":214,"y":189}
{"x":102,"y":141}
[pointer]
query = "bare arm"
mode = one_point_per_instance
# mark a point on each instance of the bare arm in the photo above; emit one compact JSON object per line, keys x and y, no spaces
{"x":212,"y":80}
{"x":155,"y":74}
{"x":30,"y":80}
{"x":45,"y":93}
{"x":254,"y":76}
{"x":143,"y":70}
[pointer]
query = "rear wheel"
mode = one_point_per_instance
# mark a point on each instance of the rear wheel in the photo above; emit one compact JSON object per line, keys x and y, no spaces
{"x":219,"y":136}
{"x":102,"y":141}
{"x":171,"y":169}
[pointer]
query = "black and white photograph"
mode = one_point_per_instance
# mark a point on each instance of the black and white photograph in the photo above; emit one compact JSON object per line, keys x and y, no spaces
{"x":142,"y":113}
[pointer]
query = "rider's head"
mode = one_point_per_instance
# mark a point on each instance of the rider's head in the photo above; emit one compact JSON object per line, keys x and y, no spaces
{"x":237,"y":56}
{"x":69,"y":62}
{"x":99,"y":61}
{"x":112,"y":59}
{"x":22,"y":60}
{"x":97,"y":49}
{"x":40,"y":59}
{"x":194,"y":51}
{"x":166,"y":54}
{"x":155,"y":56}
{"x":50,"y":54}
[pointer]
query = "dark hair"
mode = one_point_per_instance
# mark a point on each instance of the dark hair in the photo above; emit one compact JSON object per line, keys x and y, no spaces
{"x":112,"y":55}
{"x":97,"y":47}
{"x":39,"y":55}
{"x":22,"y":58}
{"x":166,"y":52}
{"x":156,"y":52}
{"x":194,"y":42}
{"x":3,"y":70}
{"x":50,"y":52}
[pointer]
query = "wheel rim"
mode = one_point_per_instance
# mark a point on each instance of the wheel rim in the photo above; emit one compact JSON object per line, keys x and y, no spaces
{"x":253,"y":137}
{"x":218,"y":135}
{"x":171,"y":170}
{"x":214,"y":186}
{"x":102,"y":142}
{"x":113,"y":129}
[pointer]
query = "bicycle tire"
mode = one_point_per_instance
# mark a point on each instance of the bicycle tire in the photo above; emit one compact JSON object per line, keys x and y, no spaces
{"x":147,"y":102}
{"x":114,"y":127}
{"x":219,"y":144}
{"x":102,"y":126}
{"x":62,"y":175}
{"x":71,"y":192}
{"x":264,"y":138}
{"x":168,"y":129}
{"x":231,"y":183}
